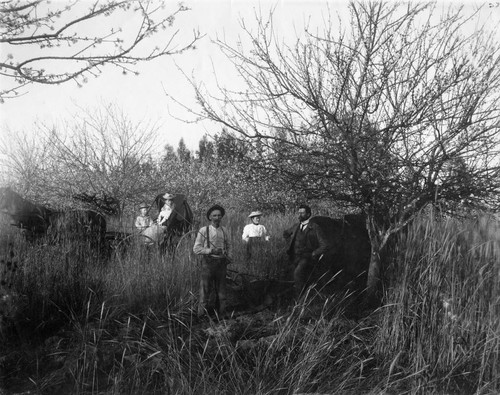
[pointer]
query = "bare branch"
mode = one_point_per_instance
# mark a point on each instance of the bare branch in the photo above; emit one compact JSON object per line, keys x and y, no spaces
{"x":56,"y":45}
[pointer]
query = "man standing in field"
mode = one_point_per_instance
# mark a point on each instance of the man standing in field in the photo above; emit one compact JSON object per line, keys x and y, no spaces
{"x":306,"y":244}
{"x":212,"y":243}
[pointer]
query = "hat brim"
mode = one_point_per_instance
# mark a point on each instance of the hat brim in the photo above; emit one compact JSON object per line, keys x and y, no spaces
{"x":214,"y":208}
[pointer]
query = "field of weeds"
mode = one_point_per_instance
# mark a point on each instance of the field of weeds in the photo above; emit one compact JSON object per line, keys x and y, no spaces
{"x":73,"y":322}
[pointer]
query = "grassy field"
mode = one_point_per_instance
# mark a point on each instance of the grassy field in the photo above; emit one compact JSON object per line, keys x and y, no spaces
{"x":73,"y":322}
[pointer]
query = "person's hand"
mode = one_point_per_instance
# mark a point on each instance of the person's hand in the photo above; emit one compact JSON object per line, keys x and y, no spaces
{"x":216,"y":251}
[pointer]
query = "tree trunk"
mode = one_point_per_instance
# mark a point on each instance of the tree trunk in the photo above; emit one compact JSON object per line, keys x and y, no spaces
{"x":377,"y":240}
{"x":374,"y":271}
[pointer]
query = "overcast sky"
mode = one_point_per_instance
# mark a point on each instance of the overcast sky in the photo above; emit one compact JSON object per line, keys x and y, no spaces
{"x":143,"y":96}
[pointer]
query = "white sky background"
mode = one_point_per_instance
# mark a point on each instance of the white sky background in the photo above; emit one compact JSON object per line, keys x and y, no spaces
{"x":143,"y":97}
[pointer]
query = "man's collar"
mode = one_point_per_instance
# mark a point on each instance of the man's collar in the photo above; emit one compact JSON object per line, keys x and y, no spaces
{"x":306,"y":222}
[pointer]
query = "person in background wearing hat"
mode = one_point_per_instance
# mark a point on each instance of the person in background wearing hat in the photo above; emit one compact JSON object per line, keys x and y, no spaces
{"x":143,"y":220}
{"x":166,"y":209}
{"x":254,"y":233}
{"x":212,"y":243}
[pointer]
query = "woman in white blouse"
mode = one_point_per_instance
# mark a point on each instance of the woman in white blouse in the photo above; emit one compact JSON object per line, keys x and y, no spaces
{"x":253,"y":233}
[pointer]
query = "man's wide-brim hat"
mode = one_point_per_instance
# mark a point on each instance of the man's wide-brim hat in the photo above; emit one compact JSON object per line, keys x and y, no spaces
{"x":143,"y":205}
{"x":215,"y":207}
{"x":168,"y":196}
{"x":255,"y":214}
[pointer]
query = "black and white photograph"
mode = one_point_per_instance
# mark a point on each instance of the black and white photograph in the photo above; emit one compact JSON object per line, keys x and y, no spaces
{"x":255,"y":197}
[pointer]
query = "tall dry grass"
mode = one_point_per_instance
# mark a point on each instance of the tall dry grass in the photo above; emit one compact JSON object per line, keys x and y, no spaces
{"x":126,"y":325}
{"x":139,"y":275}
{"x":440,"y":327}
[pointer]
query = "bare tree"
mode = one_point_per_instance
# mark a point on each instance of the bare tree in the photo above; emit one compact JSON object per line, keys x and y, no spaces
{"x":103,"y":152}
{"x":23,"y":159}
{"x":52,"y":43}
{"x":376,"y":115}
{"x":100,"y":156}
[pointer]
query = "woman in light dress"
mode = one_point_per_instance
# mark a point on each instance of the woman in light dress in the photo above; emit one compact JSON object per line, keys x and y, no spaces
{"x":254,"y":234}
{"x":156,"y":232}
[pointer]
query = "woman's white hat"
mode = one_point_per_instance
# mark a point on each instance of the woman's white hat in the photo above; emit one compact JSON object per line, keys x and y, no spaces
{"x":255,"y":214}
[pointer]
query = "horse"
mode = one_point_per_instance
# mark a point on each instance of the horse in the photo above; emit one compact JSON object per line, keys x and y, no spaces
{"x":36,"y":220}
{"x":28,"y":216}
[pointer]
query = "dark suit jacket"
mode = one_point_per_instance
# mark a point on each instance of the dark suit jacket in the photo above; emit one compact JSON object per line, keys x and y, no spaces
{"x":316,"y":240}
